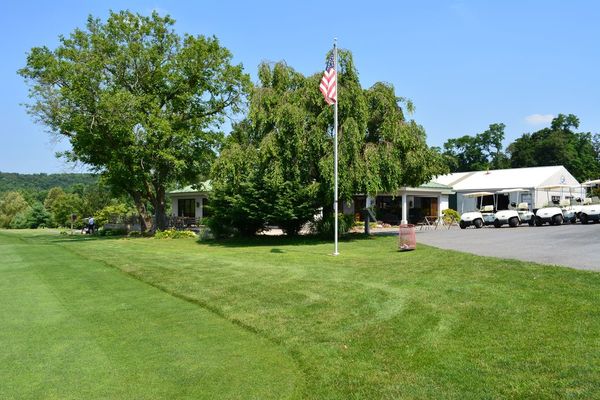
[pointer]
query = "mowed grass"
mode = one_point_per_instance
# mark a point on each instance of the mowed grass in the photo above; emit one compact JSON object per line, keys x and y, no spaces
{"x":74,"y":328}
{"x":371,"y":323}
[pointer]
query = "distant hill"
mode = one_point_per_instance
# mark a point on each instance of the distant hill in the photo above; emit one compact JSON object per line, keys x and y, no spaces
{"x":41,"y":182}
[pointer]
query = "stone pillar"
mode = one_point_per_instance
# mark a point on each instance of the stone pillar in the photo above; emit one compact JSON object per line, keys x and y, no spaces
{"x":439,"y":200}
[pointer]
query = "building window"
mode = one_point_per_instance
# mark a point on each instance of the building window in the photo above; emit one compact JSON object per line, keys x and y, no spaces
{"x":186,"y":208}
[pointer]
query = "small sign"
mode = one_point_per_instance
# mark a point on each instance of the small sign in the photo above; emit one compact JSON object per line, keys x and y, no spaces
{"x":73,"y":217}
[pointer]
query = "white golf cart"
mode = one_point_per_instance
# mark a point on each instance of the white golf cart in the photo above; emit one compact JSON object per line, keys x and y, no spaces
{"x":554,"y":213}
{"x":518,"y":212}
{"x":590,"y":210}
{"x":479,"y":217}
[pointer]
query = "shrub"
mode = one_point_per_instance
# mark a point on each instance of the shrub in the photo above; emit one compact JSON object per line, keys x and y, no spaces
{"x":219,"y":226}
{"x":325,"y":226}
{"x":206,"y":234}
{"x":111,"y":232}
{"x":19,"y":221}
{"x":135,"y":234}
{"x":449,"y":213}
{"x":173,"y":234}
{"x":103,"y":216}
{"x":32,"y":218}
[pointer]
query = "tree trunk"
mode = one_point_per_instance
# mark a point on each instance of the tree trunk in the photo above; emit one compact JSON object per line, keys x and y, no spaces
{"x":159,"y":209}
{"x":145,"y":219}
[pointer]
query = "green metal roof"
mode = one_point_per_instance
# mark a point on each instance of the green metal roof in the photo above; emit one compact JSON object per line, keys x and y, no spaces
{"x":201,"y":187}
{"x":435,"y":185}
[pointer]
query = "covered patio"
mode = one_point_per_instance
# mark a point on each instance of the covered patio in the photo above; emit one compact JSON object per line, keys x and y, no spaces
{"x":408,"y":205}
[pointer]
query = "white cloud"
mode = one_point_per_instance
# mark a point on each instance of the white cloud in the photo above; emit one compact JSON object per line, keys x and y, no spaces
{"x":539,"y":119}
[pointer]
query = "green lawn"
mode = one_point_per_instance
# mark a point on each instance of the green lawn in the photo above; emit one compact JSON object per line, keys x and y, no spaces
{"x":74,"y":328}
{"x":281,"y":318}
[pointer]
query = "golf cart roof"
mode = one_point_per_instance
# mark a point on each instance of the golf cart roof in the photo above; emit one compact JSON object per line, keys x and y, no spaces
{"x":478,"y":194}
{"x":512,"y":190}
{"x":591,"y":183}
{"x":549,"y":187}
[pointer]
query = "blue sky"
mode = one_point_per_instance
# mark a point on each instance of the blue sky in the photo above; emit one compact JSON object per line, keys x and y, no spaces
{"x":465,"y":64}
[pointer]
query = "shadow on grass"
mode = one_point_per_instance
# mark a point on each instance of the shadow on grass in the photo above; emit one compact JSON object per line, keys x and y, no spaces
{"x":265,"y":240}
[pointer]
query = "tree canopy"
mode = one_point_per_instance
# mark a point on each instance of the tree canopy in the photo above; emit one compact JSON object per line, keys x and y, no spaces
{"x":558,"y":145}
{"x":139,"y":103}
{"x":277,"y":165}
{"x":480,"y":152}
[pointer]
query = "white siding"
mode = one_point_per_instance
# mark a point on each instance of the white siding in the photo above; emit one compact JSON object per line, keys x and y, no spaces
{"x":198,"y":200}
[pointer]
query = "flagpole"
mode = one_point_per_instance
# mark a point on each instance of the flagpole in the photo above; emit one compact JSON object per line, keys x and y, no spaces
{"x":335,"y":150}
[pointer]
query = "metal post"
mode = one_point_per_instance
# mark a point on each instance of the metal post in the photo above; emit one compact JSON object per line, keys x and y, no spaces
{"x":335,"y":150}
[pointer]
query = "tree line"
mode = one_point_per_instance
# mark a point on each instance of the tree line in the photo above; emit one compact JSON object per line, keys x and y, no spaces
{"x":558,"y":144}
{"x":25,"y":207}
{"x":10,"y":181}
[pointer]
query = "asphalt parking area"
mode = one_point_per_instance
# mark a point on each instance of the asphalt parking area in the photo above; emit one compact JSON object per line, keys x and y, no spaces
{"x":575,"y":246}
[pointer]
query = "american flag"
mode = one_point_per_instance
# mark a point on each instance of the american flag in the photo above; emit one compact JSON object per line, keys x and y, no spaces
{"x":328,"y":84}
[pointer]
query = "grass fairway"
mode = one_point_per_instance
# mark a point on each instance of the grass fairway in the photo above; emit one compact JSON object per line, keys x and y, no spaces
{"x":372,"y":323}
{"x":73,"y":328}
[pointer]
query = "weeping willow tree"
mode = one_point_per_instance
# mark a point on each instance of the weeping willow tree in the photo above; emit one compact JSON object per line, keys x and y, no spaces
{"x":277,"y":165}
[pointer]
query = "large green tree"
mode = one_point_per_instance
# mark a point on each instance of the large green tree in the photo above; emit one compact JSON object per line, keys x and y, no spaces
{"x":479,"y":152}
{"x":138,"y":103}
{"x":281,"y":155}
{"x":558,"y":144}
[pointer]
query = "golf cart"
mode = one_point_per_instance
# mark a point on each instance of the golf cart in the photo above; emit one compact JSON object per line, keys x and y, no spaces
{"x":517,"y":214}
{"x":554,"y":213}
{"x":590,"y":211}
{"x":479,"y":217}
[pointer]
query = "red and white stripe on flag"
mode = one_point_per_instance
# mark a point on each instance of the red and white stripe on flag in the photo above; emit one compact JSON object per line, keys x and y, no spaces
{"x":328,"y":84}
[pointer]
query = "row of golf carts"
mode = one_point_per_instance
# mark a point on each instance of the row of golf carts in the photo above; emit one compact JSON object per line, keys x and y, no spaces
{"x":584,"y":209}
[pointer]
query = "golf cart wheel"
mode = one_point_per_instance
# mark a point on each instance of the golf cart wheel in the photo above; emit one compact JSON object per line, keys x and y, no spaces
{"x":462,"y":224}
{"x":557,"y":219}
{"x":513,"y":222}
{"x":584,"y":219}
{"x":531,"y":222}
{"x":478,"y":223}
{"x":497,"y":224}
{"x":538,"y":221}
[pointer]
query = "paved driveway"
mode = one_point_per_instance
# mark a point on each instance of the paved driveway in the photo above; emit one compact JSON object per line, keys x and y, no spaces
{"x":576,"y":246}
